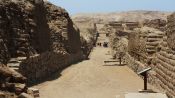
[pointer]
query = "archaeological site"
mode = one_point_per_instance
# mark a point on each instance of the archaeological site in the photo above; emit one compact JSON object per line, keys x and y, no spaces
{"x":46,"y":52}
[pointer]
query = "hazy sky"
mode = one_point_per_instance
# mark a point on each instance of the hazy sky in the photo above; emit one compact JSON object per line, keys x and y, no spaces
{"x":86,"y":6}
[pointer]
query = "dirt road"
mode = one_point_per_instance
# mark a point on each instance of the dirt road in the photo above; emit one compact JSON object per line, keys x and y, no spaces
{"x":92,"y":79}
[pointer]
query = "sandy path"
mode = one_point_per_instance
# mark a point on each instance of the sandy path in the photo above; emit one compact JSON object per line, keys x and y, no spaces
{"x":91,"y":79}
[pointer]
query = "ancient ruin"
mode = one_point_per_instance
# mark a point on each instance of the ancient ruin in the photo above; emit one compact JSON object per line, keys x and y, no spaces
{"x":46,"y":53}
{"x":40,"y":33}
{"x":149,"y":46}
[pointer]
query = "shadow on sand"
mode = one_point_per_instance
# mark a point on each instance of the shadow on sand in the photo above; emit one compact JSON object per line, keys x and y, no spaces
{"x":114,"y":64}
{"x":52,"y":76}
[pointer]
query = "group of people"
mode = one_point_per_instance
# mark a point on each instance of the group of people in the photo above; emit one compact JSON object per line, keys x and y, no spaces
{"x":104,"y":44}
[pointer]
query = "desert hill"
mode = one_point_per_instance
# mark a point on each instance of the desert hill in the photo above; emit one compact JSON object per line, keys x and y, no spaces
{"x":132,"y":16}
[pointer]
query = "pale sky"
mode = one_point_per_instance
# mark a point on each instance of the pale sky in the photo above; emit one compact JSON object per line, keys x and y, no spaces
{"x":95,"y":6}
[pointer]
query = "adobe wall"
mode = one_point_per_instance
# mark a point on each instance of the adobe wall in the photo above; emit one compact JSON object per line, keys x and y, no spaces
{"x":159,"y":56}
{"x":150,"y":47}
{"x":33,"y":27}
{"x":39,"y":67}
{"x":165,"y":67}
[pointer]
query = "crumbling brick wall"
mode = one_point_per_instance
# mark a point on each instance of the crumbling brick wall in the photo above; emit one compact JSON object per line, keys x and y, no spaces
{"x":88,"y":33}
{"x":63,"y":31}
{"x":33,"y":27}
{"x":159,"y":56}
{"x":144,"y":43}
{"x":156,"y":23}
{"x":170,"y":31}
{"x":165,"y":70}
{"x":165,"y":67}
{"x":3,"y":52}
{"x":43,"y":31}
{"x":39,"y":67}
{"x":131,"y":25}
{"x":11,"y":81}
{"x":15,"y":28}
{"x":137,"y":44}
{"x":65,"y":47}
{"x":29,"y":28}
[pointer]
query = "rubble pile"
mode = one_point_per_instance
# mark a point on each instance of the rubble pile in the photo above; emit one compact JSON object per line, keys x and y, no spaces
{"x":11,"y":82}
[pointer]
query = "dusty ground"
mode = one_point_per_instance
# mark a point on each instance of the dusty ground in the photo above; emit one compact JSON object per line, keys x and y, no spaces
{"x":92,"y":79}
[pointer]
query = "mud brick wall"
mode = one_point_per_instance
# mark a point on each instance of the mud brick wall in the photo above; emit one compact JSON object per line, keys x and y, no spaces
{"x":64,"y":45}
{"x":132,"y":25}
{"x":170,"y":31}
{"x":165,"y":68}
{"x":115,"y":25}
{"x":144,"y":43}
{"x":161,"y":56}
{"x":33,"y":27}
{"x":137,"y":45}
{"x":156,"y":23}
{"x":39,"y":67}
{"x":88,"y":32}
{"x":43,"y":31}
{"x":3,"y":52}
{"x":63,"y":31}
{"x":11,"y":80}
{"x":18,"y":28}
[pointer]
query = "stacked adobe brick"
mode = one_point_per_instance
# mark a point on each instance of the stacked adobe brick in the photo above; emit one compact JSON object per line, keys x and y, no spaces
{"x":156,"y":23}
{"x":11,"y":82}
{"x":17,"y":29}
{"x":42,"y":32}
{"x":159,"y":53}
{"x":145,"y":42}
{"x":165,"y":67}
{"x":63,"y":33}
{"x":64,"y":46}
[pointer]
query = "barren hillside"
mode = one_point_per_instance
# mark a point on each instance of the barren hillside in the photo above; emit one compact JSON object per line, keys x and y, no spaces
{"x":122,"y":16}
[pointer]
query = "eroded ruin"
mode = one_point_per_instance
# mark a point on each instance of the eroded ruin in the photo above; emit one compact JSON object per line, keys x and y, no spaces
{"x":39,"y":39}
{"x":149,"y":47}
{"x":41,"y":33}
